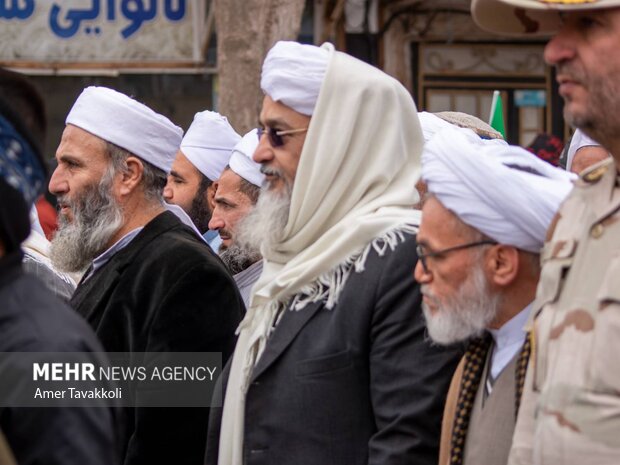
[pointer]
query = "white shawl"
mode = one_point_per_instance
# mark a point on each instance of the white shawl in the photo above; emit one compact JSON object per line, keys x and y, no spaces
{"x":354,"y":186}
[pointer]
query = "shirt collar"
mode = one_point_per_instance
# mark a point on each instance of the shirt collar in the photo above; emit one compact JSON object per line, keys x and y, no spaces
{"x":116,"y":247}
{"x":244,"y":277}
{"x":512,"y":331}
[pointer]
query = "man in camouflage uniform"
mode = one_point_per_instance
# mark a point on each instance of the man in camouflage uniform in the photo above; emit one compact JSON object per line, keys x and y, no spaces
{"x":571,"y":408}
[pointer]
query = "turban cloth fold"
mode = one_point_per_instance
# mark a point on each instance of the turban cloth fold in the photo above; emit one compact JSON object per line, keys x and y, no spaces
{"x":123,"y":121}
{"x":503,"y":191}
{"x":241,"y":161}
{"x":293,"y":74}
{"x":209,"y":142}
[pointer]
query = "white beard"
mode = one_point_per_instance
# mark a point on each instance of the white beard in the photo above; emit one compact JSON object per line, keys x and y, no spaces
{"x":96,"y":218}
{"x":264,"y":225}
{"x":465,"y":315}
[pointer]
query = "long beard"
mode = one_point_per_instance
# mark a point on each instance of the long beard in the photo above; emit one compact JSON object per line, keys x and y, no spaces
{"x":263,"y":228}
{"x":96,"y":218}
{"x":465,"y":315}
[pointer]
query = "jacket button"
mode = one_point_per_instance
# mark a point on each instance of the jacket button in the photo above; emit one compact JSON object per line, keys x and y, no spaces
{"x":597,"y":230}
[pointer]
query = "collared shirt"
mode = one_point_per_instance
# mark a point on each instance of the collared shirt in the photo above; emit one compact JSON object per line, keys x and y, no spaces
{"x":246,"y":279}
{"x":116,"y":247}
{"x":508,"y":341}
{"x":212,"y":236}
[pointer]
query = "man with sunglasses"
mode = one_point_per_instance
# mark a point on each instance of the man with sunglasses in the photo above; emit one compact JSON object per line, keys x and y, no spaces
{"x":571,"y":404}
{"x":332,"y":364}
{"x":479,"y":267}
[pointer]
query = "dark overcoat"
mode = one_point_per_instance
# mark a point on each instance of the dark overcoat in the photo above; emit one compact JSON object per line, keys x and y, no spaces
{"x":166,"y":291}
{"x":358,"y":384}
{"x":32,"y":319}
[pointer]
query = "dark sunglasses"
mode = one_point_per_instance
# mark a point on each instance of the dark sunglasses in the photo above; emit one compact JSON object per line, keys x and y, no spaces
{"x":275,"y":137}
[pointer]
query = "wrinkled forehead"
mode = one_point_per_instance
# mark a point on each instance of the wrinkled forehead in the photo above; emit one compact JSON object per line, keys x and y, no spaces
{"x":79,"y":141}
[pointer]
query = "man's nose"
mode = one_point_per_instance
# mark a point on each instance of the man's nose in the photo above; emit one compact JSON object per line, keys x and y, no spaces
{"x":58,"y":185}
{"x":215,"y":222}
{"x":264,"y":151}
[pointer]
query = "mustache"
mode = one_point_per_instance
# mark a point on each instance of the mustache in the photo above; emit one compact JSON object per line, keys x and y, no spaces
{"x":426,"y":292}
{"x":570,"y":71}
{"x":269,"y":171}
{"x":63,"y":201}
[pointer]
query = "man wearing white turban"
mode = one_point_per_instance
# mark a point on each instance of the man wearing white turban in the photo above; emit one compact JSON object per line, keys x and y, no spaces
{"x":199,"y":163}
{"x":483,"y":225}
{"x":332,"y":364}
{"x":233,"y":215}
{"x":152,"y":285}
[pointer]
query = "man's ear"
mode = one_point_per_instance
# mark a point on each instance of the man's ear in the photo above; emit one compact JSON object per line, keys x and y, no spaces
{"x":211,"y":194}
{"x":131,"y":176}
{"x":503,"y":264}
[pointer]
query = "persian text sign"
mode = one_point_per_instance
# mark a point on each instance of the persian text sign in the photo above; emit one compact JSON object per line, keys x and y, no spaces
{"x":101,"y":31}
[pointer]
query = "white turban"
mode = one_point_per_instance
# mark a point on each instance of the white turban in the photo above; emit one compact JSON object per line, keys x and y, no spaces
{"x":482,"y":184}
{"x":208,"y":143}
{"x":241,"y":159}
{"x":131,"y":125}
{"x":578,"y":141}
{"x":293,"y":74}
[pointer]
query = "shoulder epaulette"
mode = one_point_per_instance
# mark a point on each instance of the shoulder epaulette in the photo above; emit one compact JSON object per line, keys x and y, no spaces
{"x":595,"y":172}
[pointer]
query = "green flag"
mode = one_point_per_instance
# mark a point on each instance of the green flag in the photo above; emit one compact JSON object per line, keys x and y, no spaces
{"x":496,"y":120}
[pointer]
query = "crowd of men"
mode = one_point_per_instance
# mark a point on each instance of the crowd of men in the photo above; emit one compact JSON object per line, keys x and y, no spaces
{"x":384,"y":286}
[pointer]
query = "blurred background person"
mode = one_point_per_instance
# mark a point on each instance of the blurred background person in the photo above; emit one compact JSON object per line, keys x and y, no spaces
{"x":32,"y":319}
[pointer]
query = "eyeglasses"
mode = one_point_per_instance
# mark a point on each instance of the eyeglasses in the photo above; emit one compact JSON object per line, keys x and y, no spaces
{"x":424,"y":256}
{"x":275,"y":137}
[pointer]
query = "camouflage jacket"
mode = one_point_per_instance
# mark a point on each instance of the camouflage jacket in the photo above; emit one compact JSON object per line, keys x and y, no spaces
{"x":570,"y":412}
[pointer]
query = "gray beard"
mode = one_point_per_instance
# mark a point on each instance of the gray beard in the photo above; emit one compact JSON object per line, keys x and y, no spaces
{"x":96,"y":218}
{"x":263,"y":228}
{"x":465,"y":315}
{"x":238,"y":258}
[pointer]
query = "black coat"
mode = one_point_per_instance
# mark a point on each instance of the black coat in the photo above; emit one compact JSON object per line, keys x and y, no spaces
{"x":358,"y":384}
{"x":34,"y":320}
{"x":164,"y":292}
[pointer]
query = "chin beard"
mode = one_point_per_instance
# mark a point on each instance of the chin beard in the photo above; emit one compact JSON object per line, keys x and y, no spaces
{"x":238,"y":258}
{"x":96,"y":218}
{"x":263,"y":228}
{"x":465,"y":315}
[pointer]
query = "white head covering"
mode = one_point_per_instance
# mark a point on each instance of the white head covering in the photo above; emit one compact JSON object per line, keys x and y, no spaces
{"x":208,"y":143}
{"x":241,"y":161}
{"x":293,"y":74}
{"x":578,"y":141}
{"x":480,"y":183}
{"x":131,"y":125}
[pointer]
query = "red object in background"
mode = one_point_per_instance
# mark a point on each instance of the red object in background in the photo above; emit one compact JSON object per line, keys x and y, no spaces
{"x":547,"y":147}
{"x":47,"y":217}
